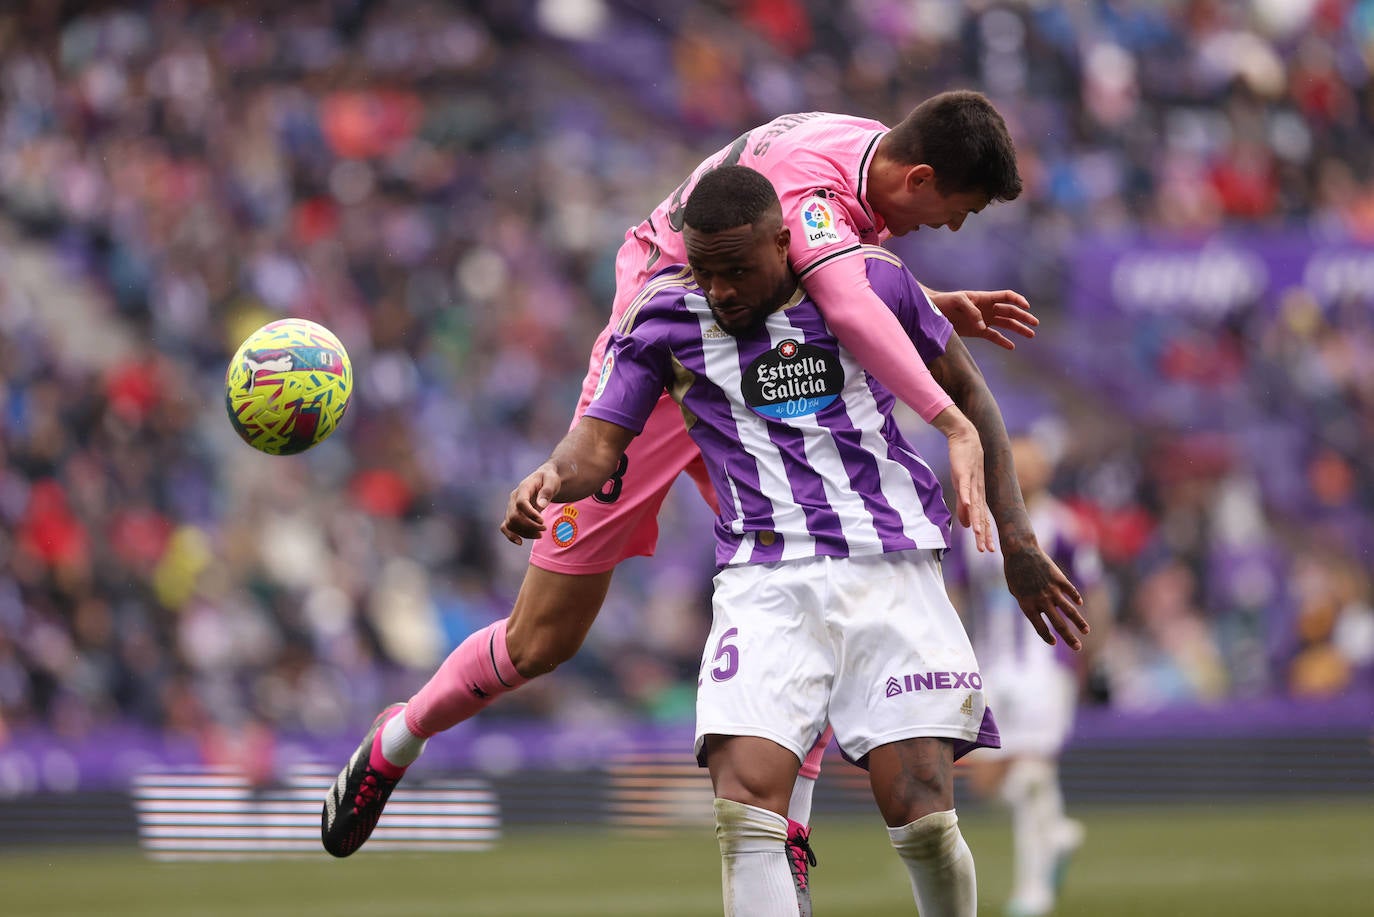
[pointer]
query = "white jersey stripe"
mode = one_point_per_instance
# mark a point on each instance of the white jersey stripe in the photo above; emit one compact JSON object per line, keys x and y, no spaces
{"x":897,"y":484}
{"x":723,"y":369}
{"x":856,"y":521}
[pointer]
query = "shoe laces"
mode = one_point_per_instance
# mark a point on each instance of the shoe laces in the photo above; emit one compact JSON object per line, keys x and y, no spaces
{"x":799,"y":852}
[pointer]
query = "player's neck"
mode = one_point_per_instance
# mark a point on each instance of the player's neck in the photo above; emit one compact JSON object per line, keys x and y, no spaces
{"x":884,"y":180}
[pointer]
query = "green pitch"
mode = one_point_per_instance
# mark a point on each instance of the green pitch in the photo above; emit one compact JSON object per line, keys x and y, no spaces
{"x":1257,"y":859}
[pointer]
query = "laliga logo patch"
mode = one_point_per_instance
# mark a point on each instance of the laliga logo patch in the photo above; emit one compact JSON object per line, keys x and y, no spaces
{"x":819,"y":223}
{"x":565,"y":527}
{"x":792,"y":380}
{"x":605,"y":376}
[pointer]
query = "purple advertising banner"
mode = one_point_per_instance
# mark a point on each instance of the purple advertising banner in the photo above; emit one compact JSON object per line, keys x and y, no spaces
{"x":1212,"y":277}
{"x":37,"y":761}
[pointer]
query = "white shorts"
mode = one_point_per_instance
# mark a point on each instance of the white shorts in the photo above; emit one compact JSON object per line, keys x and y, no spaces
{"x":871,"y":644}
{"x":1035,"y":702}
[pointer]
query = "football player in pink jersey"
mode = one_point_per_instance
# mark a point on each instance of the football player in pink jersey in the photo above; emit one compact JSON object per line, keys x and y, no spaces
{"x":843,"y":182}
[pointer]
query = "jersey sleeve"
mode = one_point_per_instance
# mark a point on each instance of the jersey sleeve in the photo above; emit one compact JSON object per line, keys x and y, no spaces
{"x":633,"y":376}
{"x":866,"y":325}
{"x":821,"y":228}
{"x":927,"y":327}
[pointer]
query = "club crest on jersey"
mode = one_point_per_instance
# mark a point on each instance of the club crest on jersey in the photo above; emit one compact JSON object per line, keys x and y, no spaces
{"x":564,"y":528}
{"x":819,"y":222}
{"x":792,"y":380}
{"x":601,"y":380}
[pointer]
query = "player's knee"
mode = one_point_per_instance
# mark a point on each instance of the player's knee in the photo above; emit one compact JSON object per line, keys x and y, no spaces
{"x":930,"y":839}
{"x":539,"y":651}
{"x":742,"y":828}
{"x":1027,"y":777}
{"x":540,"y":641}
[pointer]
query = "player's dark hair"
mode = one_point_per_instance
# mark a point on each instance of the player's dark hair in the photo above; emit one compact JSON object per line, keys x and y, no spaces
{"x":964,"y":139}
{"x":729,"y":197}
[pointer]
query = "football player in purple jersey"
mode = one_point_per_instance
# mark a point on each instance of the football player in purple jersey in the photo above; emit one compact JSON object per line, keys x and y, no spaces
{"x":830,"y":604}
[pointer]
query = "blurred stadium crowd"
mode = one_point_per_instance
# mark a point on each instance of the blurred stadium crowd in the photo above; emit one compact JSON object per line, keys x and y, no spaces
{"x":445,"y":186}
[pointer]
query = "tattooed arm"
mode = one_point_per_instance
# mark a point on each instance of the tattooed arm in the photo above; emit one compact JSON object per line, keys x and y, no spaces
{"x":1040,"y":587}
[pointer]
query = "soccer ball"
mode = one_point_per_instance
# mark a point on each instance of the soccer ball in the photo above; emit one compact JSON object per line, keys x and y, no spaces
{"x":288,"y":386}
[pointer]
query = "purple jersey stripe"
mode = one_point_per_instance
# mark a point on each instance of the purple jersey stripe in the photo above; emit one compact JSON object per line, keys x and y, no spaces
{"x":798,"y":440}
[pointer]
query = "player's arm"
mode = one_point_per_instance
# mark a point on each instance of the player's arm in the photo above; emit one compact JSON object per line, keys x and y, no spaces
{"x":1040,"y":587}
{"x":578,"y":467}
{"x":979,"y":313}
{"x":632,"y":378}
{"x":865,"y":326}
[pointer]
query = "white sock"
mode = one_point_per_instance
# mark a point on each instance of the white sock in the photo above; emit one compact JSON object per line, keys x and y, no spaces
{"x":400,"y":746}
{"x":755,"y":878}
{"x":940,"y":865}
{"x":799,"y":808}
{"x":1037,"y":808}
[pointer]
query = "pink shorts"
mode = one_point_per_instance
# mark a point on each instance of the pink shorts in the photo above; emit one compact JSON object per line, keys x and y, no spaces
{"x":596,"y":534}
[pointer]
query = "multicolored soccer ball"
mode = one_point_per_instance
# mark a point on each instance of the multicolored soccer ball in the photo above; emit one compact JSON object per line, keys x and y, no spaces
{"x":288,"y":386}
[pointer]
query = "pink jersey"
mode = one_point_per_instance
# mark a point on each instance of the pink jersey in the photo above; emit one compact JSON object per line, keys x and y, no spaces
{"x":818,"y":163}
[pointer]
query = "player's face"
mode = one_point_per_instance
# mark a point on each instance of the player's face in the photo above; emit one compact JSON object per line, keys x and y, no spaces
{"x":743,"y":272}
{"x":922,"y":204}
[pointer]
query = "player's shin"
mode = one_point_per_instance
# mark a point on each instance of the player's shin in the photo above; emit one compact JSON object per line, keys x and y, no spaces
{"x":473,"y":675}
{"x":800,"y":856}
{"x":799,"y":808}
{"x":1032,"y":793}
{"x":940,"y":864}
{"x":755,"y":878}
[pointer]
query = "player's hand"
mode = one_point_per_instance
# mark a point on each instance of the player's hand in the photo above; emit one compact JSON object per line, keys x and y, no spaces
{"x":1045,"y":594}
{"x":979,"y":313}
{"x":524,"y":509}
{"x":966,"y":473}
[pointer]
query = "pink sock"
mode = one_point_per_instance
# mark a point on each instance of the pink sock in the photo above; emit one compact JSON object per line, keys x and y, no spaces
{"x":473,"y":675}
{"x":811,"y":767}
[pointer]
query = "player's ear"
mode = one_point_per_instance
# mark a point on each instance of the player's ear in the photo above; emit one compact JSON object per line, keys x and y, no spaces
{"x":919,"y":175}
{"x":784,"y":239}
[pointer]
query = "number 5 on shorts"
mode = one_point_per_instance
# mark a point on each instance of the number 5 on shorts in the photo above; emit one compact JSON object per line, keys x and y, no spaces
{"x":725,"y":663}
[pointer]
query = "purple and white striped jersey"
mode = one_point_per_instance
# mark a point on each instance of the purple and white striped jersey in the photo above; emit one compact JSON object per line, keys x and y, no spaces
{"x":799,"y":441}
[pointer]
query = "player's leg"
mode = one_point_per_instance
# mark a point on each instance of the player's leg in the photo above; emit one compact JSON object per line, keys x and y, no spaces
{"x":899,"y":631}
{"x":913,"y":784}
{"x":985,"y":771}
{"x":752,"y":779}
{"x":552,"y":614}
{"x":1027,"y":792}
{"x":1039,"y":697}
{"x":1043,"y":837}
{"x":764,"y":683}
{"x":804,"y":791}
{"x":559,"y":599}
{"x":800,"y":856}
